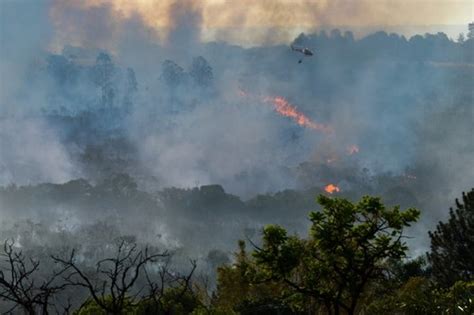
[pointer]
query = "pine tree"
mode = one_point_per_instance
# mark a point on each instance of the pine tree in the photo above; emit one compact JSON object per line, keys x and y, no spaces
{"x":452,"y":244}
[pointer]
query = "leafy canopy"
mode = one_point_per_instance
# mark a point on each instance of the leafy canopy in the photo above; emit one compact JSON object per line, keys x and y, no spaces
{"x":347,"y":246}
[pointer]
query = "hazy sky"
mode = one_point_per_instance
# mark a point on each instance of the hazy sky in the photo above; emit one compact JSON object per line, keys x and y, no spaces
{"x":250,"y":21}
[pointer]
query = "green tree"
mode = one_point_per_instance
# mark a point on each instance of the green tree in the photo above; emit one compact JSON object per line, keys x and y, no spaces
{"x":419,"y":295}
{"x":238,"y":292}
{"x":348,"y":246}
{"x":452,"y":244}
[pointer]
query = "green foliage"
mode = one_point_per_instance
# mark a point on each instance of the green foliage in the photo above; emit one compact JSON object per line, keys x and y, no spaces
{"x":239,"y":290}
{"x":347,"y":248}
{"x":90,"y":307}
{"x":421,"y":296}
{"x":452,"y":244}
{"x":413,"y":297}
{"x":173,"y":301}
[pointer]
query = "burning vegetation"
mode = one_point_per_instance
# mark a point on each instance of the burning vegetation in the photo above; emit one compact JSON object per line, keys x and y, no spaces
{"x":131,"y":149}
{"x":331,"y":188}
{"x":284,"y":108}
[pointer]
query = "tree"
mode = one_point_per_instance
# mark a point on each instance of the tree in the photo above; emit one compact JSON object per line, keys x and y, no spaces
{"x":238,"y":290}
{"x":336,"y":34}
{"x":470,"y":34}
{"x":172,"y":73}
{"x":452,"y":244}
{"x":201,"y":72}
{"x":347,"y":248}
{"x":111,"y":287}
{"x":301,"y":40}
{"x":62,"y":70}
{"x":419,"y":295}
{"x":119,"y":184}
{"x":19,"y":278}
{"x":349,"y":36}
{"x":131,"y":87}
{"x":461,"y":38}
{"x":103,"y":75}
{"x":172,"y":293}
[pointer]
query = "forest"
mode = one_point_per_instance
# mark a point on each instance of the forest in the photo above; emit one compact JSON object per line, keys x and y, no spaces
{"x":352,"y":261}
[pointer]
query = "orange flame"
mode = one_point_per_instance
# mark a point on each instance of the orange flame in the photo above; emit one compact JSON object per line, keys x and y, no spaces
{"x":331,"y":188}
{"x":284,"y":108}
{"x":352,"y":149}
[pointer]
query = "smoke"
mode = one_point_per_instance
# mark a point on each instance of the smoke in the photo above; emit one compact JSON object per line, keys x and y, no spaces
{"x":31,"y":153}
{"x":24,"y":34}
{"x":185,"y":26}
{"x":240,"y":146}
{"x":184,"y":124}
{"x":251,"y":22}
{"x":78,"y":24}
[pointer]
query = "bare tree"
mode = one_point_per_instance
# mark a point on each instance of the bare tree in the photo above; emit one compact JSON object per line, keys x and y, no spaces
{"x":22,"y":285}
{"x":181,"y":284}
{"x":113,"y":284}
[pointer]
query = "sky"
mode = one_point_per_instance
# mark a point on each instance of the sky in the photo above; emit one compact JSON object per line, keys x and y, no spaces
{"x":256,"y":22}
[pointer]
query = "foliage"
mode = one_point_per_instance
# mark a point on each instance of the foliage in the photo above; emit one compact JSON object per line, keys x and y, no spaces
{"x":201,"y":72}
{"x":91,"y":307}
{"x":237,"y":290}
{"x":452,"y":244}
{"x":347,"y":247}
{"x":103,"y":76}
{"x":421,"y":296}
{"x":351,"y":263}
{"x":172,"y":73}
{"x":174,"y":301}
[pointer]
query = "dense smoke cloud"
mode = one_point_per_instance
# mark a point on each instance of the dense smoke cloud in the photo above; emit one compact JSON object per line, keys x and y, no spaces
{"x":255,"y":22}
{"x":32,"y":153}
{"x":114,"y":87}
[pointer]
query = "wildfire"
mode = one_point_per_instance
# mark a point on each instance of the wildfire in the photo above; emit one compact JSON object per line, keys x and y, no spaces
{"x":352,"y":149}
{"x":331,"y":188}
{"x":284,"y":108}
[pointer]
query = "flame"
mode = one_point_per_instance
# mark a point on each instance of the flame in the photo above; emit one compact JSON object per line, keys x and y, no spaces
{"x":331,"y":188}
{"x":352,"y":149}
{"x":284,"y":108}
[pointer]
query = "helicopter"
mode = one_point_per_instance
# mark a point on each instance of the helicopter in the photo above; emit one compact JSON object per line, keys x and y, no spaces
{"x":304,"y":50}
